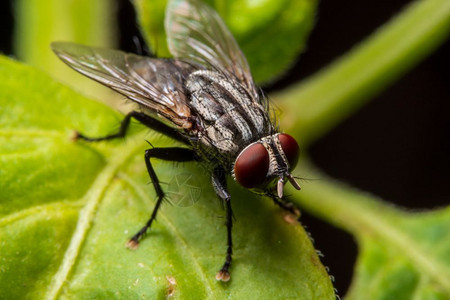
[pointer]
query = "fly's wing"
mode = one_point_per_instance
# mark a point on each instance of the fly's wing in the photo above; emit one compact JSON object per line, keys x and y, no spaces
{"x":197,"y":33}
{"x":155,"y":84}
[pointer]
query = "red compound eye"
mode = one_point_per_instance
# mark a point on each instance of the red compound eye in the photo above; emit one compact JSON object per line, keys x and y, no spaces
{"x":252,"y":166}
{"x":290,"y":148}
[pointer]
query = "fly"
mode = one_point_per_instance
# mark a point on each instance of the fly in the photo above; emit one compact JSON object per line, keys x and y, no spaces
{"x":204,"y":97}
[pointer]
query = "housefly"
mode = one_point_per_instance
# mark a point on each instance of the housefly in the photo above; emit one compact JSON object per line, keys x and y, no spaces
{"x":204,"y":97}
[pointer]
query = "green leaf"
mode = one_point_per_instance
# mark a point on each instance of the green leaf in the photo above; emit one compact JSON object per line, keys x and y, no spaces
{"x":67,"y":208}
{"x":271,"y":33}
{"x":41,"y":22}
{"x":151,"y":18}
{"x":403,"y":255}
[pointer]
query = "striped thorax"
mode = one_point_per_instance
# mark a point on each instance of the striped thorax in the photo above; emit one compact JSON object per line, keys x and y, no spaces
{"x":229,"y":117}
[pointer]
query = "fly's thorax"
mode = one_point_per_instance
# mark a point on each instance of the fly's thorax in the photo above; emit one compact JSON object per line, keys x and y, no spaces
{"x":229,"y":116}
{"x":271,"y":157}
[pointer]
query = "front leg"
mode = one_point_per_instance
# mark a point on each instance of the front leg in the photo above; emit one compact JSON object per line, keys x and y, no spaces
{"x":293,"y":213}
{"x":220,"y":186}
{"x":285,"y":205}
{"x":170,"y":154}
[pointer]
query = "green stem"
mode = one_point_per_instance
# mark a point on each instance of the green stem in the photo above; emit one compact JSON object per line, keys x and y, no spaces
{"x":345,"y":207}
{"x":367,"y":217}
{"x":315,"y":106}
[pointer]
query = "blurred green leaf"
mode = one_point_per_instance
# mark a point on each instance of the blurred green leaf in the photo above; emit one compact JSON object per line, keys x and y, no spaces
{"x":151,"y":18}
{"x":402,"y":255}
{"x":41,"y":22}
{"x":67,"y":208}
{"x":271,"y":33}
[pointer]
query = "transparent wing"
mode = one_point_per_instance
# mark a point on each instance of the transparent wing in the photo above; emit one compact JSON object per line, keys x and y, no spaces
{"x":196,"y":32}
{"x":156,"y":84}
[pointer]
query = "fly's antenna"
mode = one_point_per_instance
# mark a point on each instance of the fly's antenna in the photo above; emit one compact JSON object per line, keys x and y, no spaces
{"x":293,"y":182}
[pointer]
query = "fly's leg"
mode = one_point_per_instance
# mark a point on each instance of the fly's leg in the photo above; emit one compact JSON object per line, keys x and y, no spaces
{"x":220,"y":186}
{"x":170,"y":154}
{"x":145,"y":120}
{"x":285,"y":205}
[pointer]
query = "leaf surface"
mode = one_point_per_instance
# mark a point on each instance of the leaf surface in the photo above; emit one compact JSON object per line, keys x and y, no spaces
{"x":38,"y":23}
{"x":67,"y":208}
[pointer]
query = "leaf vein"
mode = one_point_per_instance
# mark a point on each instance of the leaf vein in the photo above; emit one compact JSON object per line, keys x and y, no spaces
{"x":87,"y":214}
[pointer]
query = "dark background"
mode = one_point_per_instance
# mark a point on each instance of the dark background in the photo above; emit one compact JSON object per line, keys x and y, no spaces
{"x":397,"y":146}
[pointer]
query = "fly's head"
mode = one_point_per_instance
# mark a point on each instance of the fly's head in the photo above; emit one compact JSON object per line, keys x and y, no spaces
{"x":266,"y":164}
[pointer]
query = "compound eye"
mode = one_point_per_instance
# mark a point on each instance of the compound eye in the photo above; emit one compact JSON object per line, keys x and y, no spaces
{"x":251,"y":166}
{"x":290,"y":149}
